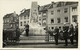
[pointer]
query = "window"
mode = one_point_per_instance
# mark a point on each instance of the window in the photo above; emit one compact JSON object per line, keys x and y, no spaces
{"x":51,"y":12}
{"x":58,"y":10}
{"x":49,"y":27}
{"x":11,"y":25}
{"x":7,"y":20}
{"x":24,"y":17}
{"x":11,"y":18}
{"x":52,"y":27}
{"x":74,"y":8}
{"x":66,"y":19}
{"x":74,"y":18}
{"x":27,"y":17}
{"x":59,"y":26}
{"x":21,"y":17}
{"x":39,"y":13}
{"x":44,"y":22}
{"x":24,"y":22}
{"x":21,"y":23}
{"x":44,"y":13}
{"x":65,"y":10}
{"x":52,"y":20}
{"x":39,"y":18}
{"x":17,"y":25}
{"x":58,"y":20}
{"x":39,"y":23}
{"x":34,"y":10}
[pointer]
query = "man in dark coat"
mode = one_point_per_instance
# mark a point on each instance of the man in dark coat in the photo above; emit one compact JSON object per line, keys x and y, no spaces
{"x":76,"y":34}
{"x":56,"y":35}
{"x":17,"y":34}
{"x":65,"y":34}
{"x":71,"y":33}
{"x":27,"y":30}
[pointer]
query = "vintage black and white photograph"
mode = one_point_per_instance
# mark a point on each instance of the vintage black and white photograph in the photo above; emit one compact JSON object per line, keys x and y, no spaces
{"x":40,"y":24}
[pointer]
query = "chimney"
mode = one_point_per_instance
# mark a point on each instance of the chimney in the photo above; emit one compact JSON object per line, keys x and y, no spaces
{"x":52,"y":2}
{"x":14,"y":14}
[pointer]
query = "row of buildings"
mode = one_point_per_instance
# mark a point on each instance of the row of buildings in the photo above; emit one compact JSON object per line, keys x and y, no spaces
{"x":51,"y":15}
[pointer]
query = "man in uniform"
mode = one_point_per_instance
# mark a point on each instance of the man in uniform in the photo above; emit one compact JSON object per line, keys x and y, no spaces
{"x":27,"y":30}
{"x":17,"y":34}
{"x":65,"y":34}
{"x":56,"y":35}
{"x":76,"y":34}
{"x":71,"y":33}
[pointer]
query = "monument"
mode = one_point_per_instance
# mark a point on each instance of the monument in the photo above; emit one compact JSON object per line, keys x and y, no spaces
{"x":35,"y":28}
{"x":33,"y":13}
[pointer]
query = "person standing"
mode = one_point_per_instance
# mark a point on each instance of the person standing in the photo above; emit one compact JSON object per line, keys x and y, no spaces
{"x":56,"y":31}
{"x":60,"y":33}
{"x":17,"y":34}
{"x":27,"y":30}
{"x":65,"y":34}
{"x":71,"y":34}
{"x":76,"y":34}
{"x":47,"y":34}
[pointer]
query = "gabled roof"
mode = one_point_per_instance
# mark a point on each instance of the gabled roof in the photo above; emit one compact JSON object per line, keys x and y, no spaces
{"x":65,"y":3}
{"x":45,"y":7}
{"x":7,"y":15}
{"x":59,"y":4}
{"x":26,"y":12}
{"x":10,"y":15}
{"x":69,"y":3}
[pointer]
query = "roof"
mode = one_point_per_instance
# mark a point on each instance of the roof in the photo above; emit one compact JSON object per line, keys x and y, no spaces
{"x":59,"y":4}
{"x":69,"y":3}
{"x":45,"y":7}
{"x":10,"y":15}
{"x":65,"y":3}
{"x":25,"y":12}
{"x":7,"y":15}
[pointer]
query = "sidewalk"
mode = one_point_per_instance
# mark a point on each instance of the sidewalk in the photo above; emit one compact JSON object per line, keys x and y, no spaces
{"x":24,"y":42}
{"x":40,"y":45}
{"x":39,"y":39}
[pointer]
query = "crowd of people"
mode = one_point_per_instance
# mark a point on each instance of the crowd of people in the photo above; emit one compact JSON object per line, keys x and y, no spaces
{"x":68,"y":32}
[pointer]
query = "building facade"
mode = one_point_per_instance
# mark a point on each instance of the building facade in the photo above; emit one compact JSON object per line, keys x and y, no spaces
{"x":62,"y":12}
{"x":52,"y":15}
{"x":11,"y":21}
{"x":24,"y":18}
{"x":43,"y":14}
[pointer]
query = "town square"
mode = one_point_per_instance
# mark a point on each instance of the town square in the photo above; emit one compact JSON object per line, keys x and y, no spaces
{"x":53,"y":25}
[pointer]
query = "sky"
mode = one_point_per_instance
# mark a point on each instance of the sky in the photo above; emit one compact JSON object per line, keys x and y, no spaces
{"x":9,"y":6}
